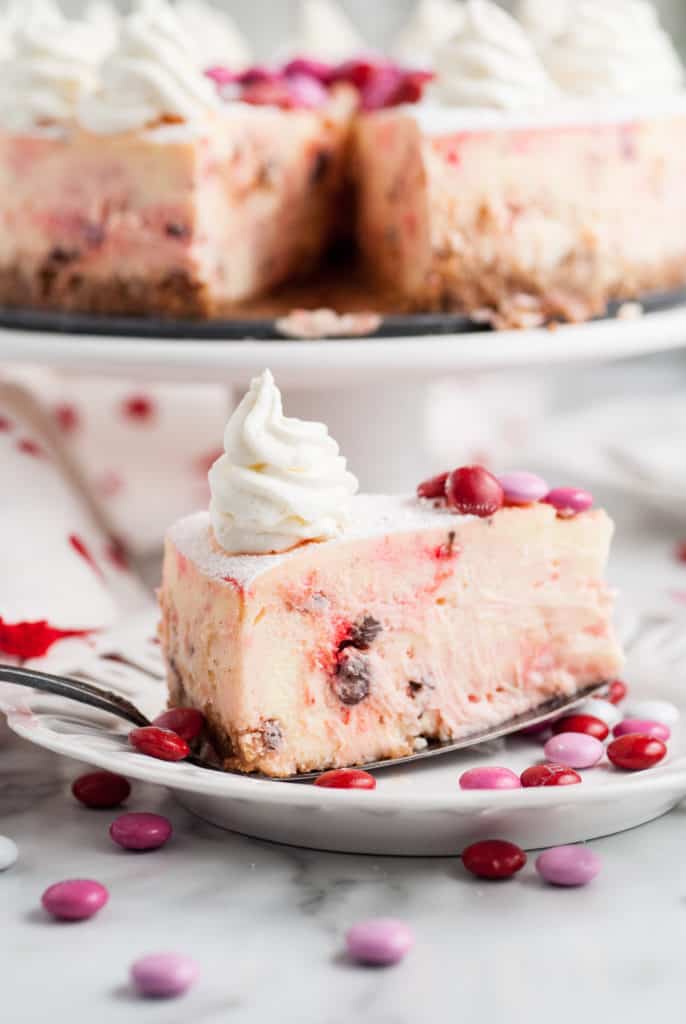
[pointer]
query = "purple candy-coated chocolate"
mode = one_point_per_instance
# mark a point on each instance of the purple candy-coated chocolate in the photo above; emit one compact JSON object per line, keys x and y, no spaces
{"x":643,"y":728}
{"x":523,"y":488}
{"x":75,"y":900}
{"x":489,"y":778}
{"x":574,"y":749}
{"x":141,"y":831}
{"x":381,"y":941}
{"x":569,"y":499}
{"x":164,"y":975}
{"x":568,"y":865}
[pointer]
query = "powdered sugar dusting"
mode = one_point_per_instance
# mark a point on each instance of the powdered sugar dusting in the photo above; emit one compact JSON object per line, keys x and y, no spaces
{"x":372,"y":515}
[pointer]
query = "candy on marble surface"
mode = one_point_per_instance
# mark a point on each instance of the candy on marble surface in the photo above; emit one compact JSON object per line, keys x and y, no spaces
{"x":523,"y":488}
{"x":141,"y":831}
{"x":493,"y":859}
{"x":569,"y":499}
{"x":587,"y":725}
{"x":654,"y":711}
{"x":550,"y":775}
{"x":635,"y":753}
{"x":8,"y":853}
{"x":346,"y":778}
{"x":159,"y":743}
{"x":164,"y":975}
{"x":381,"y":941}
{"x":188,"y":723}
{"x":602,"y":709}
{"x":75,"y":899}
{"x":101,"y":790}
{"x":574,"y":750}
{"x":568,"y":865}
{"x":489,"y":778}
{"x":643,"y":728}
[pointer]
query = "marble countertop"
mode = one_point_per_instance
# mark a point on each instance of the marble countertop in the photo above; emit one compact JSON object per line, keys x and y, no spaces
{"x":266,"y":922}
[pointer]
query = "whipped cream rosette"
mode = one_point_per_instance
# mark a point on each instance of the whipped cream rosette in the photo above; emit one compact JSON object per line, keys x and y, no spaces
{"x":491,"y":63}
{"x":280,"y":482}
{"x":431,"y":25}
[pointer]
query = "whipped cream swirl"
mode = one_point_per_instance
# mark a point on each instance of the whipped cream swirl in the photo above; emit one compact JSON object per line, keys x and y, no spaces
{"x":545,"y":20}
{"x":152,"y":76}
{"x":216,"y":39}
{"x":53,"y":67}
{"x":615,"y":48}
{"x":326,"y":33}
{"x":280,"y":482}
{"x":432,"y":24}
{"x":491,"y":63}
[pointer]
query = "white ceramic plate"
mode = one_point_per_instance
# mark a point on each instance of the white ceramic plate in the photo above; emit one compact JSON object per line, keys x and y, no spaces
{"x":325,"y":364}
{"x":415,"y":810}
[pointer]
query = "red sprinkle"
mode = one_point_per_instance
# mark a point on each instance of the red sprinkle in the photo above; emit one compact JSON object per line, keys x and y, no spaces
{"x":586,"y":724}
{"x":5,"y":425}
{"x":472,"y":490}
{"x":188,"y":723}
{"x":681,"y":552}
{"x":115,"y":552}
{"x":29,"y":447}
{"x":494,"y":859}
{"x":159,"y":743}
{"x":25,"y":640}
{"x":81,"y":549}
{"x":139,"y":408}
{"x":346,"y":778}
{"x":549,"y":775}
{"x":101,"y":790}
{"x":67,"y":417}
{"x":635,"y":753}
{"x":434,"y":488}
{"x":616,"y":692}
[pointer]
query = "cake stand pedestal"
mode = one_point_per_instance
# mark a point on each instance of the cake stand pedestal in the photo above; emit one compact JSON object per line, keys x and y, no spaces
{"x":373,"y":393}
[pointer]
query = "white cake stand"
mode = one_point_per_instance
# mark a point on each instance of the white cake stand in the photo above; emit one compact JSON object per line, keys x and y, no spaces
{"x":372,"y":393}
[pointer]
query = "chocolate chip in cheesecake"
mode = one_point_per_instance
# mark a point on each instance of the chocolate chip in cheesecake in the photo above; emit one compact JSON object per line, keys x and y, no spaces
{"x":271,"y":733}
{"x":352,"y":682}
{"x":363,"y":634}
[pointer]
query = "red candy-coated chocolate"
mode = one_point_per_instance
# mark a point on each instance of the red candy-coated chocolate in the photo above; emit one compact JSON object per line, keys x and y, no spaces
{"x":586,"y":724}
{"x":346,"y":778}
{"x":616,"y":692}
{"x":472,"y":490}
{"x":493,"y":859}
{"x":549,"y":775}
{"x":101,"y":790}
{"x":434,"y":488}
{"x":681,"y":552}
{"x":188,"y":723}
{"x":159,"y":743}
{"x":635,"y":753}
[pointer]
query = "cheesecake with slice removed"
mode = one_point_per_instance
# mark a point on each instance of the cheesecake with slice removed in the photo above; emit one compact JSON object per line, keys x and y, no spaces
{"x":318,"y":629}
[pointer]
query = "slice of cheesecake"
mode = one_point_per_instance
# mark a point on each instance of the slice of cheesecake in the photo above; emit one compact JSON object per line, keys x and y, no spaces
{"x":414,"y":624}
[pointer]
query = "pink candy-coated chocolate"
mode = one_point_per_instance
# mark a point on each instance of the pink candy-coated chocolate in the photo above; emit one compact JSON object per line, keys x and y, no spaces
{"x":489,"y":778}
{"x":164,"y":975}
{"x":382,"y":941}
{"x":658,"y":730}
{"x":141,"y":831}
{"x":523,"y":488}
{"x":574,"y":749}
{"x":568,"y":865}
{"x":569,"y":499}
{"x":75,"y":900}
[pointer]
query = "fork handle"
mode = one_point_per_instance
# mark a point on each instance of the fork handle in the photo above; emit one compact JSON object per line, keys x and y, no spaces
{"x":74,"y":689}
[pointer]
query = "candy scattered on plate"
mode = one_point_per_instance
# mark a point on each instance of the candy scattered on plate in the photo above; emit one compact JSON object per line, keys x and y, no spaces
{"x":101,"y":790}
{"x":493,"y":859}
{"x":568,"y":865}
{"x":76,"y":899}
{"x":164,"y":975}
{"x":141,"y":831}
{"x":379,"y":942}
{"x":8,"y":853}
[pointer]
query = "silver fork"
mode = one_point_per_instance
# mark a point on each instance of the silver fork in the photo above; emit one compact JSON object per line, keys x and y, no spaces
{"x":105,"y":700}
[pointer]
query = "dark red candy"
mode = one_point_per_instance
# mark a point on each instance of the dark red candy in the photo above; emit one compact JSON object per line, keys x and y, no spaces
{"x":616,"y":692}
{"x":188,"y":723}
{"x":586,"y":724}
{"x":159,"y":743}
{"x":346,"y":778}
{"x":635,"y":753}
{"x":433,"y":488}
{"x":472,"y":490}
{"x":549,"y":775}
{"x":494,"y":859}
{"x":101,"y":790}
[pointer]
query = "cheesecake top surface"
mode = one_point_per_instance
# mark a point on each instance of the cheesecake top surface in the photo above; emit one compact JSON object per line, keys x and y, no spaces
{"x":371,"y":515}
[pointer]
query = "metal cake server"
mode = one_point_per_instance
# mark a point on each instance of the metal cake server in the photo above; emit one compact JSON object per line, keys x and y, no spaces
{"x":105,"y":700}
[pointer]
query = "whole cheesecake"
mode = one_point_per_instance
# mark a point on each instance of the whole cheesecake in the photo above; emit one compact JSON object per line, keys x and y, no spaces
{"x":317,"y":630}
